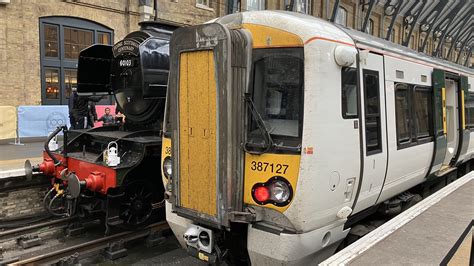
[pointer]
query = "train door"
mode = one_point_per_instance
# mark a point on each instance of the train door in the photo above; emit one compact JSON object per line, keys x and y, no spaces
{"x":374,"y":144}
{"x":452,"y":125}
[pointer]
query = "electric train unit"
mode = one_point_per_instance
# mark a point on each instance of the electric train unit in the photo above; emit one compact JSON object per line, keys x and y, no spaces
{"x":106,"y":170}
{"x":284,"y":130}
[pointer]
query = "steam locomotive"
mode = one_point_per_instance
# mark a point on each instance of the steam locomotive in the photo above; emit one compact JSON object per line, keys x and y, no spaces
{"x":107,"y":170}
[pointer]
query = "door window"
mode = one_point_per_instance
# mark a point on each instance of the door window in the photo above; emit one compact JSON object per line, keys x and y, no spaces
{"x":373,"y":140}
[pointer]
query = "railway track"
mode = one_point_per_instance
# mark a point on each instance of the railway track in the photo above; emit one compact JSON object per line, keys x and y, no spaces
{"x":82,"y":250}
{"x":53,"y":224}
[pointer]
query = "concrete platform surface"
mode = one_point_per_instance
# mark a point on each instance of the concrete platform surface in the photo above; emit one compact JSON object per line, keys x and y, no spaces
{"x":12,"y":157}
{"x":424,"y":234}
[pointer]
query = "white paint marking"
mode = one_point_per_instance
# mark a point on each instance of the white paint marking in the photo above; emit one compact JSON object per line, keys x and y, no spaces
{"x":12,"y":173}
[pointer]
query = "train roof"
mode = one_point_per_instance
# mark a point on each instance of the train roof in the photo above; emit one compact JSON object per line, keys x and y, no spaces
{"x":363,"y":40}
{"x":308,"y":27}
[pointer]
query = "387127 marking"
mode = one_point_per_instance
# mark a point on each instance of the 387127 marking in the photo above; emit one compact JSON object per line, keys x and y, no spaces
{"x":276,"y":168}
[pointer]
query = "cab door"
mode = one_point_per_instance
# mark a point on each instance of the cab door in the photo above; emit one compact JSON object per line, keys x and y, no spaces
{"x":374,"y":144}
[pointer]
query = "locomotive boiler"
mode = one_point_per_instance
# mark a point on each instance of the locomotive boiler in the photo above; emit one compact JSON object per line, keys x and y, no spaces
{"x":110,"y":169}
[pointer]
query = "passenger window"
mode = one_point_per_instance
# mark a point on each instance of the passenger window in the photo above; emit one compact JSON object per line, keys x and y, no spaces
{"x":469,"y":105}
{"x":422,"y":105}
{"x":402,"y":110}
{"x":372,"y":112}
{"x":413,"y":110}
{"x":349,"y":92}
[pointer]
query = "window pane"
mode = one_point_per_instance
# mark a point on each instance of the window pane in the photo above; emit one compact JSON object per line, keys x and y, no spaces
{"x":469,"y":110}
{"x":278,"y":93}
{"x":402,"y":109}
{"x":70,"y":81}
{"x":349,"y":92}
{"x":74,"y":41}
{"x":103,"y":38}
{"x":255,"y":5}
{"x":51,"y":78}
{"x":341,"y":17}
{"x":203,"y":2}
{"x":422,"y":106}
{"x":371,"y":84}
{"x":372,"y":115}
{"x":51,"y":41}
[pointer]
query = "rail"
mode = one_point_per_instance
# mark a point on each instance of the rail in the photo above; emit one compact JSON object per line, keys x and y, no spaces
{"x":92,"y":246}
{"x":9,"y":234}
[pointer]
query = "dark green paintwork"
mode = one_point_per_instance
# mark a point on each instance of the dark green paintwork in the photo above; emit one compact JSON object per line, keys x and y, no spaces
{"x":440,"y":138}
{"x":465,"y":136}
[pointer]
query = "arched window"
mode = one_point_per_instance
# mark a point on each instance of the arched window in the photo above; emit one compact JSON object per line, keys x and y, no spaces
{"x":62,"y":38}
{"x":370,"y":27}
{"x":341,"y":17}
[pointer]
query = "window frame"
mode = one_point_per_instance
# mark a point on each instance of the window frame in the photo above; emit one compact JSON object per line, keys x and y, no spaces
{"x":415,"y":137}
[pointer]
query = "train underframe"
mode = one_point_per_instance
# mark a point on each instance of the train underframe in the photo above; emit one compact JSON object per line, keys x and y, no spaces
{"x":128,"y":195}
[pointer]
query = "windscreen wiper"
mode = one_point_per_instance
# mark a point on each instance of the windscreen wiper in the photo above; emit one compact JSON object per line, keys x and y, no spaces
{"x":261,"y":126}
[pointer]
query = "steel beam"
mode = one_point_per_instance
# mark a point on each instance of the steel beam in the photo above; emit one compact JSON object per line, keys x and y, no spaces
{"x":410,"y":19}
{"x":395,"y":5}
{"x":334,"y":11}
{"x":468,"y":58}
{"x":466,"y":24}
{"x":369,"y":11}
{"x":426,"y":26}
{"x":463,"y":45}
{"x":443,"y":26}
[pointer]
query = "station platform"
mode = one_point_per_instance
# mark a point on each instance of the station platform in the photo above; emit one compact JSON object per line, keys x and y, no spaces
{"x":13,"y":157}
{"x":436,"y":231}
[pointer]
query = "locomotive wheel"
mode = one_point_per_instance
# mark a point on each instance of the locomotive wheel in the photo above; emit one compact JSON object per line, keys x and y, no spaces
{"x":136,"y":207}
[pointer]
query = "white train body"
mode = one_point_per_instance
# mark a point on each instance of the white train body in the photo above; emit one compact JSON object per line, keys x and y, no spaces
{"x":351,"y":156}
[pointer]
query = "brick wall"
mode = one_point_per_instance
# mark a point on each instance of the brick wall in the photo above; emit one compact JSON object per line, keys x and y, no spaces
{"x":22,"y":202}
{"x":20,"y":82}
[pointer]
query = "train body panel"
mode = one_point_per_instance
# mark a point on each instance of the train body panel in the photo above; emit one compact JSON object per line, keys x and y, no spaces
{"x":368,"y":120}
{"x":402,"y":173}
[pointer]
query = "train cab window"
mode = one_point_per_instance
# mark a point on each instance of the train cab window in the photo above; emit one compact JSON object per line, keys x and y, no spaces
{"x":277,"y":95}
{"x":349,"y":92}
{"x":372,"y":112}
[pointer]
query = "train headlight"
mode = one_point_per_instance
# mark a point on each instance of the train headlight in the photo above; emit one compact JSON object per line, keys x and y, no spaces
{"x":168,"y":167}
{"x":280,"y":191}
{"x":277,"y":191}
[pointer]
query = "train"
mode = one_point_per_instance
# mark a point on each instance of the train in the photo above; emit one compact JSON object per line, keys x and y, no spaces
{"x":282,"y":131}
{"x":105,"y":171}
